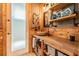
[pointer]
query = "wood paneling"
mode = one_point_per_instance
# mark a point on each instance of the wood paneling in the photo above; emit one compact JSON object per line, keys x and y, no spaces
{"x":33,"y":8}
{"x":0,"y":17}
{"x":65,"y":32}
{"x":1,"y":44}
{"x":4,"y":27}
{"x":29,"y":22}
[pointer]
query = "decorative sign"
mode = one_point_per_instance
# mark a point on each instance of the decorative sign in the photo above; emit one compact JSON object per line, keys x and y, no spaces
{"x":35,"y":22}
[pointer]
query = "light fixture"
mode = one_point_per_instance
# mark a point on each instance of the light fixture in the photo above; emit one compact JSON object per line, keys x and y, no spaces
{"x":44,"y":7}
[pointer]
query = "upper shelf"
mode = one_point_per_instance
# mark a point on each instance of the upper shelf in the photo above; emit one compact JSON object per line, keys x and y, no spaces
{"x":63,"y":18}
{"x":58,"y":6}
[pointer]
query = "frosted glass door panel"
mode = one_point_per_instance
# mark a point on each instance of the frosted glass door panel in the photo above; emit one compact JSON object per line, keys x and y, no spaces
{"x":18,"y":26}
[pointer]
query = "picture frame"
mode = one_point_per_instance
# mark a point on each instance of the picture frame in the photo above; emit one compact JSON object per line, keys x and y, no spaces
{"x":35,"y":21}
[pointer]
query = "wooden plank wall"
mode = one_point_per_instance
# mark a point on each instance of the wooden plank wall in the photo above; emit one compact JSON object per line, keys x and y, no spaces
{"x":4,"y":27}
{"x":1,"y":37}
{"x":38,"y":9}
{"x":29,"y":17}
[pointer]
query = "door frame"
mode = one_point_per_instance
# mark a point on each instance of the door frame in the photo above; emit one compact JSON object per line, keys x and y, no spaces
{"x":8,"y":34}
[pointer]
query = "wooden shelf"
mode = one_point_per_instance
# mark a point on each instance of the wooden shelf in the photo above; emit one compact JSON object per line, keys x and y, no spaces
{"x":63,"y":18}
{"x":58,"y":6}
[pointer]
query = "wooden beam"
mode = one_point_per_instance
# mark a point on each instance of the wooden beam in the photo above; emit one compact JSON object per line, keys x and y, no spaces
{"x":4,"y":27}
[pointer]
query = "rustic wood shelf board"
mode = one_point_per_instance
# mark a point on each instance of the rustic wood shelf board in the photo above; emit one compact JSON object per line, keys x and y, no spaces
{"x":59,"y":6}
{"x":64,"y":18}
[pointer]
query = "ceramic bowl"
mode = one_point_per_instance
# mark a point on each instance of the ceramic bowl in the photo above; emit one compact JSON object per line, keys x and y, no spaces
{"x":42,"y":33}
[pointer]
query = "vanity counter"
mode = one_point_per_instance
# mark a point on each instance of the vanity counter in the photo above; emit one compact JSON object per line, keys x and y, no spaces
{"x":61,"y":44}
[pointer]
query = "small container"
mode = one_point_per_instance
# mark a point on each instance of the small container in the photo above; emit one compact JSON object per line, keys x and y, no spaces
{"x":72,"y":38}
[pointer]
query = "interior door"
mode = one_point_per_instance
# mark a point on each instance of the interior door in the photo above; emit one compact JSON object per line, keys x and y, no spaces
{"x":18,"y":29}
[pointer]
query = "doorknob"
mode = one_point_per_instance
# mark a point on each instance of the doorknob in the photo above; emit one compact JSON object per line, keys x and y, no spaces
{"x":8,"y":20}
{"x":9,"y":33}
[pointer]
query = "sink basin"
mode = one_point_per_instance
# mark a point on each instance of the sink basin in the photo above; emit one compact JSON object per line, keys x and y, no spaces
{"x":42,"y":33}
